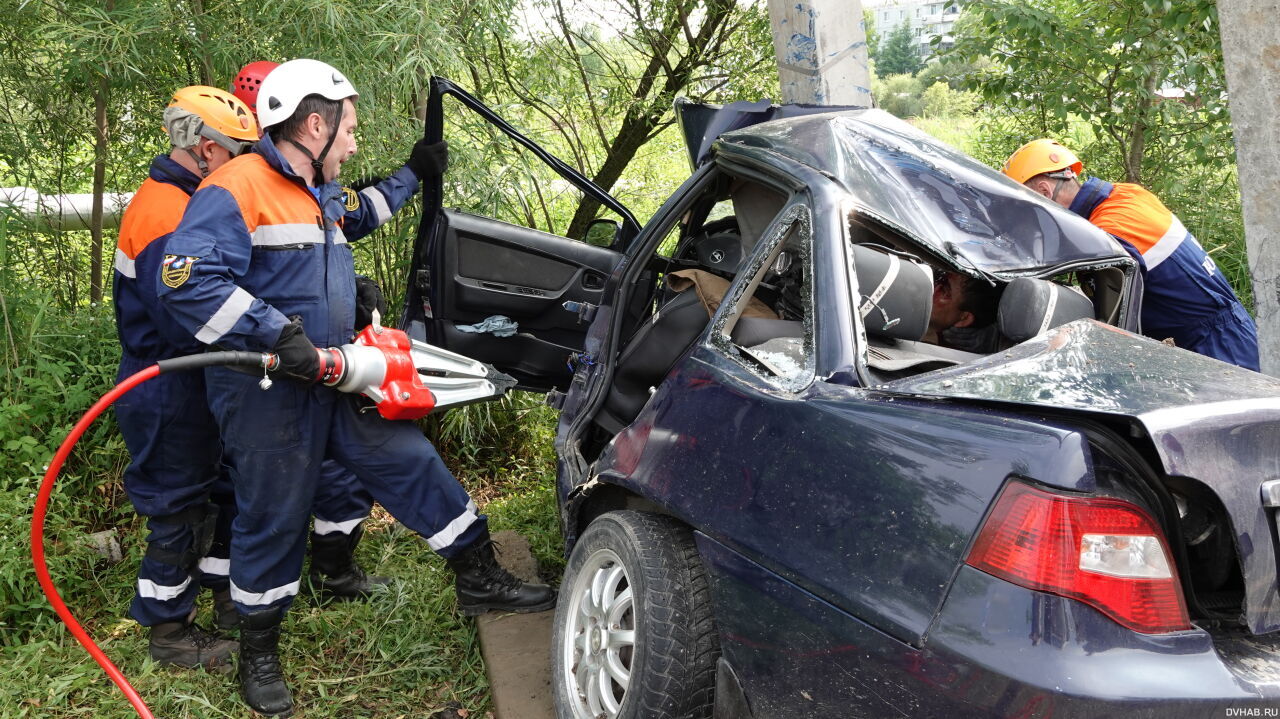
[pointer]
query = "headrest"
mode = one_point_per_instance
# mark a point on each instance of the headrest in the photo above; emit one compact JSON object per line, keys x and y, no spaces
{"x":719,"y":250}
{"x":1031,"y":306}
{"x":895,"y":292}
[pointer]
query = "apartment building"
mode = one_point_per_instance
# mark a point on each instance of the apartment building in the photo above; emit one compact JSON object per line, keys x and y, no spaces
{"x":926,"y":19}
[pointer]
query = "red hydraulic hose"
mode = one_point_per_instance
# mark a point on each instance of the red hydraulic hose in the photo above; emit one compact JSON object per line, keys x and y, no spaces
{"x":177,"y":364}
{"x":37,"y":537}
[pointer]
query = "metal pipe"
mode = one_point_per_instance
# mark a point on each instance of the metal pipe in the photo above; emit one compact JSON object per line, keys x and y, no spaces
{"x":64,"y":212}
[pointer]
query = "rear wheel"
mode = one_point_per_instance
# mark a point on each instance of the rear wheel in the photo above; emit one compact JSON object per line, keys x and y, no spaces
{"x":634,"y":636}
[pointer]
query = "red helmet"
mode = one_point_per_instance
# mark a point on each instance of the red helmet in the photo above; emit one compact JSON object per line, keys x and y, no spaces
{"x":249,"y":79}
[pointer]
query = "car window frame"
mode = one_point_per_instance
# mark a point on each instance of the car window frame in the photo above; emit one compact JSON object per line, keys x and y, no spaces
{"x":797,"y":212}
{"x":433,"y":186}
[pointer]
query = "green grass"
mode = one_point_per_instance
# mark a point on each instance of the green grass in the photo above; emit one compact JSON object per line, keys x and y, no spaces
{"x":407,"y":652}
{"x":955,"y":131}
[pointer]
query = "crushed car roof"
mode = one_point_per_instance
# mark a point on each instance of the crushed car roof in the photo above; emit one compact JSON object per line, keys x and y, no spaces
{"x":932,"y":193}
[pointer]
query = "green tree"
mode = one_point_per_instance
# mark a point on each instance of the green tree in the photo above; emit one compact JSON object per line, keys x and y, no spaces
{"x":898,"y":55}
{"x":939,"y":100}
{"x":1145,"y":75}
{"x":951,"y":70}
{"x":83,"y":83}
{"x":605,"y":74}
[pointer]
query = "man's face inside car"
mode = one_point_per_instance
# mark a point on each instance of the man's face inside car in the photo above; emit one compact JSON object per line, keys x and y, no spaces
{"x":964,"y":313}
{"x":949,"y":304}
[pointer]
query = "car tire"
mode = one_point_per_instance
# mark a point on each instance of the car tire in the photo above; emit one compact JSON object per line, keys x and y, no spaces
{"x":634,"y":636}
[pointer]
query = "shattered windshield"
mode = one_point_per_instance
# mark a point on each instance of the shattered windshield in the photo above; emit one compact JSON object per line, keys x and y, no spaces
{"x":934,"y":194}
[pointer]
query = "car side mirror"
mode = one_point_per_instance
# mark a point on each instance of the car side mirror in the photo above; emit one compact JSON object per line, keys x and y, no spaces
{"x":602,"y":232}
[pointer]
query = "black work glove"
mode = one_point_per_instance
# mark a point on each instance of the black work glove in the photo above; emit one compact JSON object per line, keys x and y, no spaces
{"x":298,"y":358}
{"x":982,"y":340}
{"x":368,"y":298}
{"x":428,"y":158}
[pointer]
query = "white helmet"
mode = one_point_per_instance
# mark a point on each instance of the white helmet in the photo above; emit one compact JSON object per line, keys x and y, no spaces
{"x":286,"y":85}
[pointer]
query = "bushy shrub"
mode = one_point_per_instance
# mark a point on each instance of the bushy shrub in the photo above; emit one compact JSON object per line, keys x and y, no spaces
{"x":53,"y":366}
{"x":952,"y":71}
{"x":941,"y":101}
{"x":898,"y":94}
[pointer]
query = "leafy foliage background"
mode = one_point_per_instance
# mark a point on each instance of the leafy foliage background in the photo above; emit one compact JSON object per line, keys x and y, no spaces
{"x":82,"y":87}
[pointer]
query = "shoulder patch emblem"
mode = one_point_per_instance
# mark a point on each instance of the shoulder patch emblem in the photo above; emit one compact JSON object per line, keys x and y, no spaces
{"x":176,"y":269}
{"x":350,"y":199}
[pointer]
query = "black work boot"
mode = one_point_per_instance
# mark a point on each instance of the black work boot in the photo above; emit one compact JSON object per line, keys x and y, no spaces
{"x":334,"y":573}
{"x":483,"y":584}
{"x":225,"y":616}
{"x":185,"y":644}
{"x":261,"y":678}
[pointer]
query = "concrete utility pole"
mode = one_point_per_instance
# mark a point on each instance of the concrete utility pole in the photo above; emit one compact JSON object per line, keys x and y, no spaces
{"x":1251,"y":49}
{"x":822,"y":51}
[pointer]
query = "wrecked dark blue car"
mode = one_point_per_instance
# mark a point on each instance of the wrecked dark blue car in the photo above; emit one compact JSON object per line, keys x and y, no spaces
{"x":779,"y":501}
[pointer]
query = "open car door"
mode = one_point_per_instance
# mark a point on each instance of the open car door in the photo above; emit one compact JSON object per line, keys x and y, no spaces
{"x":467,"y":270}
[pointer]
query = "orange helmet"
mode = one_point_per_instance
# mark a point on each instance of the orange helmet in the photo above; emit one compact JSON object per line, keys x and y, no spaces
{"x":224,"y":118}
{"x":1039,"y":157}
{"x":249,"y":79}
{"x":200,"y":112}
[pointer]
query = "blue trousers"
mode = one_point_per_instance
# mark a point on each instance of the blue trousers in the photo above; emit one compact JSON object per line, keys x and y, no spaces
{"x":341,"y":505}
{"x":275,"y":441}
{"x":175,"y":471}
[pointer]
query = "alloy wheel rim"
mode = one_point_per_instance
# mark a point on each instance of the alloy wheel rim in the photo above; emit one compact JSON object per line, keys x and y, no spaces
{"x":598,"y":648}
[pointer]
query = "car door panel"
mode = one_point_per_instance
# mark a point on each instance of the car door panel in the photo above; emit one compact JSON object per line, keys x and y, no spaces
{"x":504,"y":268}
{"x":466,"y":269}
{"x":494,"y":268}
{"x":522,"y":356}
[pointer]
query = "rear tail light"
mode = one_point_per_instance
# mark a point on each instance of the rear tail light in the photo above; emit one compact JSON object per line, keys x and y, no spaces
{"x":1105,"y":552}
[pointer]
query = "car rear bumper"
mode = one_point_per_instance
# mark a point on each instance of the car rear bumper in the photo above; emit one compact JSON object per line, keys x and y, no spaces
{"x":1033,"y":652}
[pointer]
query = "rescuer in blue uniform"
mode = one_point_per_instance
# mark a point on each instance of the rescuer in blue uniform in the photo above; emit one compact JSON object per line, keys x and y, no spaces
{"x":1186,"y":297}
{"x":341,"y":504}
{"x":261,"y":262}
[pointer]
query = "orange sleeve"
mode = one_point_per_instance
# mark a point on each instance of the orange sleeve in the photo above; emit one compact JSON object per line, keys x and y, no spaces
{"x":155,"y":211}
{"x":1133,"y":214}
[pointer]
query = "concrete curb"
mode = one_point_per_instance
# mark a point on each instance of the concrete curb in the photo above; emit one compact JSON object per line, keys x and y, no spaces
{"x":517,"y":647}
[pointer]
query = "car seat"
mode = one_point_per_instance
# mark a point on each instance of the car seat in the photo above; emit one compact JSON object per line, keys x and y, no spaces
{"x":1030,"y":307}
{"x":895,"y":292}
{"x":649,"y":355}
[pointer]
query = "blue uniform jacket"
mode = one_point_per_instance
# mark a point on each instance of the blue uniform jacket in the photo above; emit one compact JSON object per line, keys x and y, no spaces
{"x":256,"y":246}
{"x":1186,"y":296}
{"x":146,"y":330}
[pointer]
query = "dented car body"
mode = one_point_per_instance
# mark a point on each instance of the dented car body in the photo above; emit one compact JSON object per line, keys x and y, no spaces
{"x":771,"y":487}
